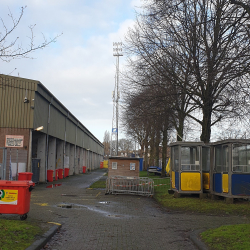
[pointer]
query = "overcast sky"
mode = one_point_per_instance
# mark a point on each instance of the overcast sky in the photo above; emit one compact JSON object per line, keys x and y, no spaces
{"x":78,"y":69}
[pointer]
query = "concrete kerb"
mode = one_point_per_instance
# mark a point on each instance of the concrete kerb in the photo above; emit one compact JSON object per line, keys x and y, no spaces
{"x":194,"y":237}
{"x":40,"y":243}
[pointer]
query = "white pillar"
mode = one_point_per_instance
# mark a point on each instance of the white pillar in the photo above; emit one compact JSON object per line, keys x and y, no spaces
{"x":59,"y":153}
{"x":71,"y":159}
{"x":52,"y":154}
{"x":66,"y":157}
{"x":41,"y":154}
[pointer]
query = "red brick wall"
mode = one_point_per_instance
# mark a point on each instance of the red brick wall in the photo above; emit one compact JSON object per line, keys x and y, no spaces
{"x":15,"y":131}
{"x":123,"y":167}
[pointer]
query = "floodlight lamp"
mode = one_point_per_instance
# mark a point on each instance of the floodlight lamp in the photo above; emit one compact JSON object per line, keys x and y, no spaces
{"x":39,"y":128}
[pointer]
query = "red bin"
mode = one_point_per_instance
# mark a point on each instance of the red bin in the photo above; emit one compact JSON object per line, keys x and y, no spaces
{"x":56,"y":174}
{"x":60,"y":173}
{"x":83,"y":169}
{"x":15,"y":197}
{"x":25,"y":176}
{"x":50,"y":175}
{"x":101,"y":164}
{"x":66,"y":172}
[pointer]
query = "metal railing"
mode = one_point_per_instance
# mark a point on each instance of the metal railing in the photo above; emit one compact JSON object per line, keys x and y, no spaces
{"x":130,"y":185}
{"x":3,"y":160}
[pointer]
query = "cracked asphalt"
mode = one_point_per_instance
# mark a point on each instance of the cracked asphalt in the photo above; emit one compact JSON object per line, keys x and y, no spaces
{"x":92,"y":220}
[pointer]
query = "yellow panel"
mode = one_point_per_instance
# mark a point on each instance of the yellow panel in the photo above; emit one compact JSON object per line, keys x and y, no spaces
{"x":225,"y":183}
{"x":190,"y":181}
{"x":206,"y":180}
{"x":173,"y":179}
{"x":105,"y":164}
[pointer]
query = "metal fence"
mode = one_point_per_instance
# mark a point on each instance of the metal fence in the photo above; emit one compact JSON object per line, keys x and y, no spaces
{"x":130,"y":185}
{"x":3,"y":160}
{"x":12,"y":162}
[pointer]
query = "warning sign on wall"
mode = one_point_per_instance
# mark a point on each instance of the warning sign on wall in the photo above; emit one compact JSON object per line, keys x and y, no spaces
{"x":15,"y":141}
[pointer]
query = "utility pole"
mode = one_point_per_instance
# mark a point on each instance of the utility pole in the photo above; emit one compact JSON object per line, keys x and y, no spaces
{"x":117,"y":52}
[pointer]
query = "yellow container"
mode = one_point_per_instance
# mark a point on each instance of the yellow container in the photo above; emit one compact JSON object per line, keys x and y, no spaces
{"x":225,"y":183}
{"x":190,"y":181}
{"x":206,"y":180}
{"x":105,"y":164}
{"x":173,"y":179}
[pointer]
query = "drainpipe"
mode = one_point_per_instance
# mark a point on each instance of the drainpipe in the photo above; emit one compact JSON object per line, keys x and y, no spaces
{"x":30,"y":152}
{"x":65,"y":135}
{"x":47,"y":145}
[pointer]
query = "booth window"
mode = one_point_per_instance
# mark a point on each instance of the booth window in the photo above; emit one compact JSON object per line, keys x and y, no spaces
{"x":241,"y":158}
{"x":205,"y":158}
{"x":175,"y":158}
{"x":190,"y":159}
{"x":221,"y":158}
{"x":114,"y":165}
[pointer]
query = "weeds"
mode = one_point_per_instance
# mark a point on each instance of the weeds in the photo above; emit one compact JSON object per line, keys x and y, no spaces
{"x":17,"y":235}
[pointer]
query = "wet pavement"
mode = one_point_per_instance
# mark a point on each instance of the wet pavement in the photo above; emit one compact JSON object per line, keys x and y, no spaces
{"x":92,"y":220}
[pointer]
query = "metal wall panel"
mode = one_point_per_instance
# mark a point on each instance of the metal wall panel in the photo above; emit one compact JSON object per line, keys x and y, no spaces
{"x":14,"y":111}
{"x":79,"y":137}
{"x":41,"y":112}
{"x":70,"y":132}
{"x":56,"y":123}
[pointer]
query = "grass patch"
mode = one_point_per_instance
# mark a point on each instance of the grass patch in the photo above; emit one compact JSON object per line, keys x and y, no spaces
{"x":17,"y":235}
{"x":195,"y":204}
{"x":233,"y":237}
{"x":99,"y":184}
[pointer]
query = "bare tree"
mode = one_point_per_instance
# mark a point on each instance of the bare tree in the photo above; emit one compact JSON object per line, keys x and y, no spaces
{"x":244,"y":4}
{"x":10,"y":48}
{"x":125,"y":146}
{"x":149,"y":65}
{"x":106,"y":143}
{"x":208,"y":44}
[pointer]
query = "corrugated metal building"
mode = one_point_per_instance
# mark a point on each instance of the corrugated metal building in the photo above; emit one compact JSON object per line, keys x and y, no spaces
{"x":25,"y":106}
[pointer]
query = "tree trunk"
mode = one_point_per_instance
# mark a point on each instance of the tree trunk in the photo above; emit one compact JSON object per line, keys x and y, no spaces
{"x":164,"y":153}
{"x":206,"y":124}
{"x":146,"y":156}
{"x":152,"y":150}
{"x":157,"y":149}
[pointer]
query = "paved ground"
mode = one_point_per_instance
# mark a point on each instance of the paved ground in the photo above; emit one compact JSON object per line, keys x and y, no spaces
{"x":99,"y":221}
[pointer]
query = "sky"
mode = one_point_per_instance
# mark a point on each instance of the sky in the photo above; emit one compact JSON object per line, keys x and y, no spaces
{"x":79,"y":69}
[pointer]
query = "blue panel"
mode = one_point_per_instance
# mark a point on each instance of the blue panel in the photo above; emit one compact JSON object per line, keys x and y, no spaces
{"x":141,"y":164}
{"x":241,"y":184}
{"x":217,"y":183}
{"x":177,"y":180}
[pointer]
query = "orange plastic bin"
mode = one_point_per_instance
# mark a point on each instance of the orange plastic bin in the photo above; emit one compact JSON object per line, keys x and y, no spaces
{"x":56,"y":175}
{"x":66,"y":172}
{"x":50,"y":175}
{"x":25,"y":176}
{"x":101,"y":164}
{"x":60,"y":173}
{"x":83,"y":169}
{"x":15,"y":197}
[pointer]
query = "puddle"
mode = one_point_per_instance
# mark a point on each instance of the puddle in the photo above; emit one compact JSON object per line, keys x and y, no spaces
{"x":54,"y":185}
{"x":64,"y":205}
{"x":92,"y":208}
